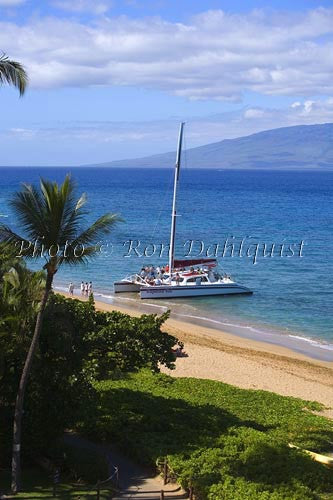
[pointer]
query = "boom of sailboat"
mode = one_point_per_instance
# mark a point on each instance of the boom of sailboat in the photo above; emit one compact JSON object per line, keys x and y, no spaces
{"x":180,"y":277}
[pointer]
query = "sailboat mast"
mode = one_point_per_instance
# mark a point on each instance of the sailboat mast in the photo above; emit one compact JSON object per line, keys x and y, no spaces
{"x":175,"y":185}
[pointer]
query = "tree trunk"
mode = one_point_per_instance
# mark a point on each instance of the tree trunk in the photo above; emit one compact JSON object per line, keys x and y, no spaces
{"x":17,"y":428}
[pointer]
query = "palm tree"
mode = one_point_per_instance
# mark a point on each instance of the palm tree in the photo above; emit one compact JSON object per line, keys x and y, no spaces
{"x":52,"y":217}
{"x":13,"y":73}
{"x":20,"y":295}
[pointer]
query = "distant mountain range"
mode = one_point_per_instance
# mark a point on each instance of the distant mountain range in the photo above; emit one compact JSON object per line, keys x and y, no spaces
{"x":298,"y":147}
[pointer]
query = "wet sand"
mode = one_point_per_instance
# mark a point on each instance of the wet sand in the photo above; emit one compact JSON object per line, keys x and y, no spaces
{"x":250,"y":364}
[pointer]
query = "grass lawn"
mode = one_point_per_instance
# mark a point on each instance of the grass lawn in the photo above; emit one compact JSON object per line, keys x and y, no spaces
{"x":230,"y":443}
{"x":38,"y":484}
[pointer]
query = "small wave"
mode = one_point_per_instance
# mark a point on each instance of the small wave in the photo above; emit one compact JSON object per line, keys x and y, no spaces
{"x":223,"y":323}
{"x":118,"y":299}
{"x":143,"y":304}
{"x":140,"y":304}
{"x":3,"y":215}
{"x":177,"y":305}
{"x":321,"y":345}
{"x":262,"y":333}
{"x":62,"y":288}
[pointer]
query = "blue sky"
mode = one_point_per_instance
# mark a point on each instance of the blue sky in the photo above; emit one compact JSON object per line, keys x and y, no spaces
{"x":111,"y":79}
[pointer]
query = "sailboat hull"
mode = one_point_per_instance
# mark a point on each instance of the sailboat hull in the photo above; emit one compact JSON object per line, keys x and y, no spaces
{"x":126,"y":287}
{"x":166,"y":292}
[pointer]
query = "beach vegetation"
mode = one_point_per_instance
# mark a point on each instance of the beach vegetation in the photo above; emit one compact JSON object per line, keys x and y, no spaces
{"x":53,"y":215}
{"x":228,"y":443}
{"x":78,"y":345}
{"x":98,"y":373}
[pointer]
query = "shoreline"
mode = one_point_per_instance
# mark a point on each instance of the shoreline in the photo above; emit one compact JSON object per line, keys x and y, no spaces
{"x":297,"y":342}
{"x":243,"y":362}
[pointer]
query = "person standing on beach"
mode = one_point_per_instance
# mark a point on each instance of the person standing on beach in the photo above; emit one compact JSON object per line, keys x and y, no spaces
{"x":90,"y":288}
{"x":71,"y":289}
{"x":82,"y":288}
{"x":86,"y":289}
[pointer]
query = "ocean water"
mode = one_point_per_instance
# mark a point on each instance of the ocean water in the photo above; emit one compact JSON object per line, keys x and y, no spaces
{"x":292,"y":303}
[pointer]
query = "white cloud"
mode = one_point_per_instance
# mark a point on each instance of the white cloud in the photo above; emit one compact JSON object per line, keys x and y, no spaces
{"x":308,"y":106}
{"x":93,"y":6}
{"x":298,"y":113}
{"x":254,"y":113}
{"x":215,"y":55}
{"x":22,"y":133}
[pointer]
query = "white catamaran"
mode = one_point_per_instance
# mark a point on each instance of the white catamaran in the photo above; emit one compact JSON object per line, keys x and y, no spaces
{"x":180,"y":278}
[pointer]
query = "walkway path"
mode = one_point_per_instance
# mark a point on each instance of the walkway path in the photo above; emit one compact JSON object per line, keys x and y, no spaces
{"x":135,"y":481}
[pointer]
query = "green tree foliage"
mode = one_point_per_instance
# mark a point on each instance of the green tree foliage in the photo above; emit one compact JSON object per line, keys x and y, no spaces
{"x":20,"y":293}
{"x":125,"y":344}
{"x":105,"y":342}
{"x":77,"y":346}
{"x":8,"y":259}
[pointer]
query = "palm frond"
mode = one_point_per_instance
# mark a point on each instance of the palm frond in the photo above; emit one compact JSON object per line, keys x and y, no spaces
{"x":29,"y":207}
{"x":63,"y":213}
{"x":13,"y":73}
{"x":12,"y":277}
{"x":22,"y":288}
{"x":85,"y":245}
{"x":23,"y":247}
{"x":53,"y":218}
{"x":81,"y":202}
{"x":81,"y":255}
{"x":98,"y":229}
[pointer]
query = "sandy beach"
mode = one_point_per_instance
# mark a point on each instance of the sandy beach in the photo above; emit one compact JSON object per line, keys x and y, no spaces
{"x":217,"y":355}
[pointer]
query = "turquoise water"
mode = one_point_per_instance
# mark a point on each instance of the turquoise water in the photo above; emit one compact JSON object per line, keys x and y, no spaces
{"x":293,"y":295}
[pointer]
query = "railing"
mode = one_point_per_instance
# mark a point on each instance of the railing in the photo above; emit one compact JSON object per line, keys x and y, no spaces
{"x":114,"y":478}
{"x":170,"y":476}
{"x":108,"y":480}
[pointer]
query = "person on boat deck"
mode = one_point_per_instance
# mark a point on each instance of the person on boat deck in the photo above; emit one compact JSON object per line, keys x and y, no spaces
{"x":152,"y":272}
{"x":142,"y":273}
{"x":158,"y":281}
{"x":177,"y":278}
{"x":211,"y":275}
